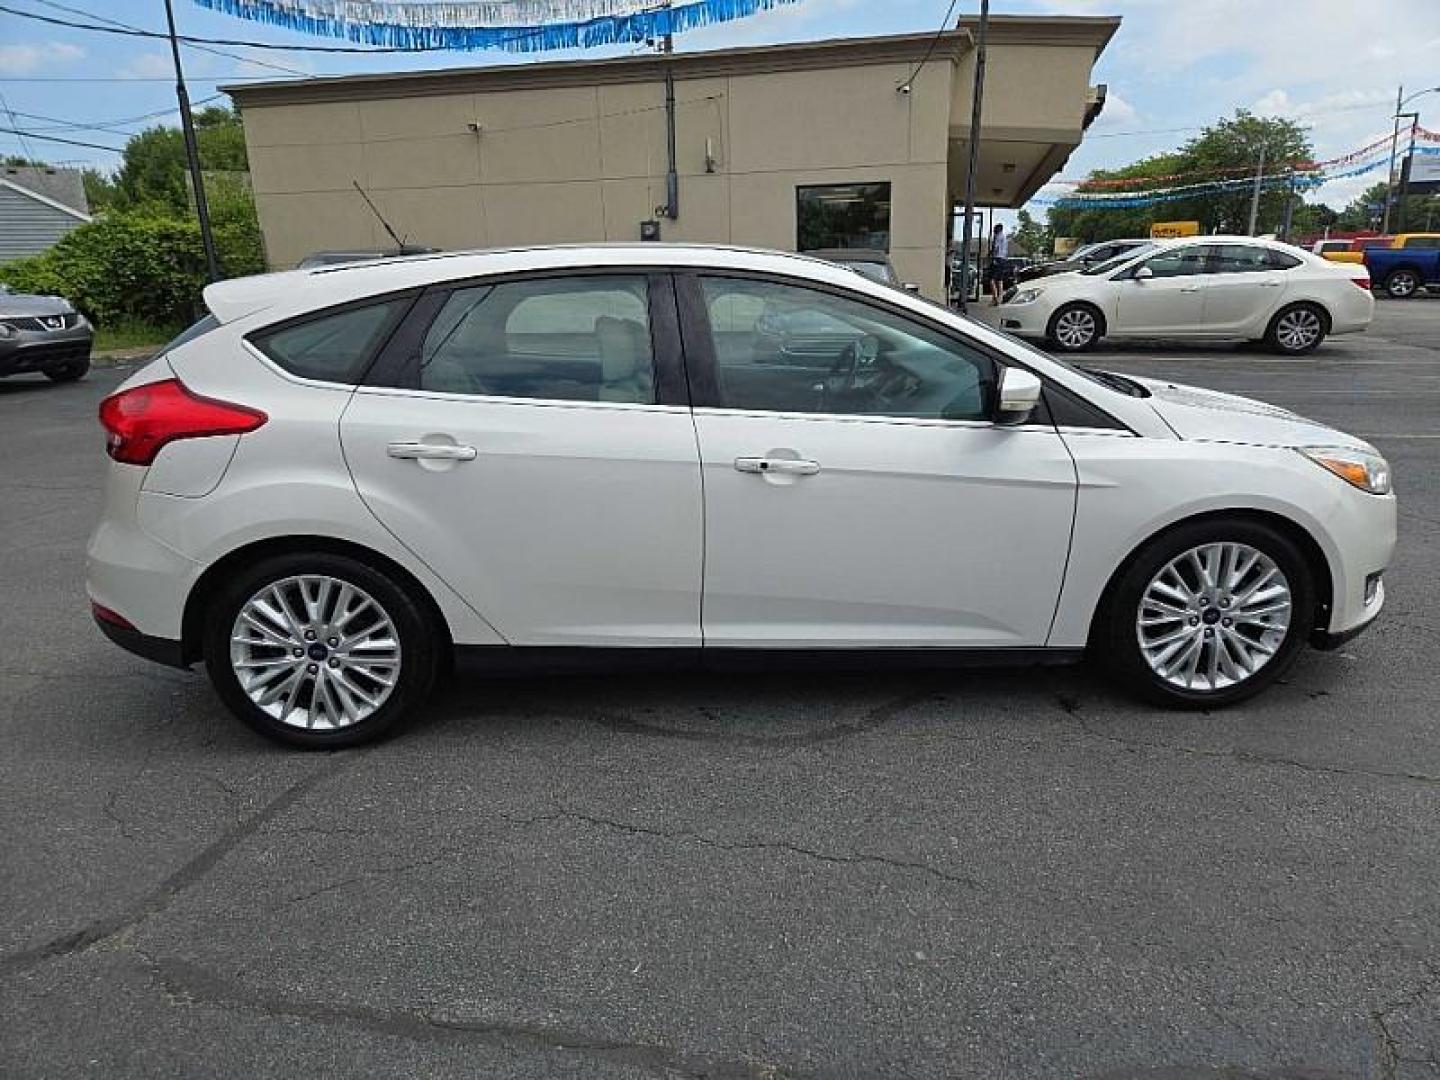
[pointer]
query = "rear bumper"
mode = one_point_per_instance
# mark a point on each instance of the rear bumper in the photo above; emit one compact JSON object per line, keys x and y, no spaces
{"x":160,"y":650}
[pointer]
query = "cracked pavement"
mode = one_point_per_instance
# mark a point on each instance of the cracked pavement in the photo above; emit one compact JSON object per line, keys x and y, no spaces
{"x":985,"y":874}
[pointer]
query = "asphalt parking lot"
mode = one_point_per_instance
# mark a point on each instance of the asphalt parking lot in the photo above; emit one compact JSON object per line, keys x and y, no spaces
{"x":977,"y":874}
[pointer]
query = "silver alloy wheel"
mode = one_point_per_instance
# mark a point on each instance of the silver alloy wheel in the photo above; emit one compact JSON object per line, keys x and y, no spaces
{"x":1075,"y":328}
{"x":315,"y":652}
{"x":1298,"y":329}
{"x":1401,"y":284}
{"x":1213,"y":616}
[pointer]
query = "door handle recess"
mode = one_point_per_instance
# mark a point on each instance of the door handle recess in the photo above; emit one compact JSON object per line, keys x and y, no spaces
{"x":431,"y":451}
{"x":789,"y":466}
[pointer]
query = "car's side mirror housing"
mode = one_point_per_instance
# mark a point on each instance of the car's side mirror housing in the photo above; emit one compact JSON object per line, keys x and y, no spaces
{"x":1018,"y":395}
{"x":1143,"y":274}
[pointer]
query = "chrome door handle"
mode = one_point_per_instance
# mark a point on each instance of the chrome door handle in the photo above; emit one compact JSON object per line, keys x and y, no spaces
{"x":1269,"y":284}
{"x":431,"y":451}
{"x":1189,"y":288}
{"x":789,"y":466}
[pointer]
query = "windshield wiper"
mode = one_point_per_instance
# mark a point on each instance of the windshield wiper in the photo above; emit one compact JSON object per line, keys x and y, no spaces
{"x":1117,"y":382}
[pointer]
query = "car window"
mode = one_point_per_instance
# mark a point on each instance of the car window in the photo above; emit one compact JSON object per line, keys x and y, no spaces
{"x":335,"y":347}
{"x":784,"y":348}
{"x":1281,"y":260}
{"x":190,"y":333}
{"x":1178,"y":262}
{"x":1422,"y":241}
{"x":565,"y":339}
{"x":1240,"y":259}
{"x":1116,"y":262}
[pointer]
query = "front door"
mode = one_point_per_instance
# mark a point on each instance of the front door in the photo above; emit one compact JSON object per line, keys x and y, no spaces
{"x":530,"y":455}
{"x":1169,"y":302}
{"x":856,"y":492}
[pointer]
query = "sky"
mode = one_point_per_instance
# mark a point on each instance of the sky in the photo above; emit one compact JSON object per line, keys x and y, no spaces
{"x":1174,"y":66}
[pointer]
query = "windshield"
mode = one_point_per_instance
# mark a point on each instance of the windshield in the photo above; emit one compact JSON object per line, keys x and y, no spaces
{"x":1119,"y":260}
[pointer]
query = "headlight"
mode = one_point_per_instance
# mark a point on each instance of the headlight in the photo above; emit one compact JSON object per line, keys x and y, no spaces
{"x":1367,"y":471}
{"x":6,"y":330}
{"x":1024,"y":296}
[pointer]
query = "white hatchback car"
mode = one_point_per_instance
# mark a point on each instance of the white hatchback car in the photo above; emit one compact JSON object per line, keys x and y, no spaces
{"x":1207,"y":287}
{"x":624,"y":453}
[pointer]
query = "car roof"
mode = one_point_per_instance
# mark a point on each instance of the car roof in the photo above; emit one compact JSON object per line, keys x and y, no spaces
{"x":292,"y":292}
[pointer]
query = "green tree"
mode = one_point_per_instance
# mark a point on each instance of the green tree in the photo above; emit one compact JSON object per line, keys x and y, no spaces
{"x":99,"y":189}
{"x":1088,"y":224}
{"x":1032,"y":237}
{"x":1419,"y":212}
{"x":155,"y":172}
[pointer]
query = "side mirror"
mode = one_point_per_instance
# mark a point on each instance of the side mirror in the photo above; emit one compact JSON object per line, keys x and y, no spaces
{"x":1019,"y":394}
{"x":1143,"y":274}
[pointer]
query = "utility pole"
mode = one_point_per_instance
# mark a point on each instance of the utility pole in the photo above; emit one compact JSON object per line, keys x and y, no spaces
{"x":1390,"y":172}
{"x":1414,"y":118}
{"x":1255,"y":193}
{"x":192,"y":151}
{"x":1289,"y":206}
{"x":977,"y":95}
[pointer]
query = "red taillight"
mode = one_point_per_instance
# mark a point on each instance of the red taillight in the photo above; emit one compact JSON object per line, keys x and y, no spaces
{"x":1363,"y":282}
{"x":114,"y":618}
{"x":138,"y":422}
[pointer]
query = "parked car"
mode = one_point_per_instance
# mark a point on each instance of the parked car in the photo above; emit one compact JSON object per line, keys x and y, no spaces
{"x":1081,"y":259}
{"x":1409,"y":264}
{"x":571,"y":454}
{"x":1354,"y":254}
{"x":1325,"y":247}
{"x":43,"y":333}
{"x":338,"y":258}
{"x":1212,"y":287}
{"x":873,"y":264}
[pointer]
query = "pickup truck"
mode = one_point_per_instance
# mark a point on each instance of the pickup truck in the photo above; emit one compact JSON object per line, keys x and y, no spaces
{"x":1409,"y":264}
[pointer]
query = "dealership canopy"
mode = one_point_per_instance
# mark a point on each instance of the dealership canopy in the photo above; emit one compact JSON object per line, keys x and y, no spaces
{"x":515,"y":25}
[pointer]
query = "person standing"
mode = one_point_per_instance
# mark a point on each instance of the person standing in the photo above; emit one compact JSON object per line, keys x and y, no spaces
{"x":997,"y":272}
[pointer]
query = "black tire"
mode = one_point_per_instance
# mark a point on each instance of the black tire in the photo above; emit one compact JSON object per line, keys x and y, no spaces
{"x":1066,"y":331}
{"x":68,"y":371}
{"x":419,"y":641}
{"x":1115,"y":642}
{"x":1285,"y":336}
{"x":1402,"y":284}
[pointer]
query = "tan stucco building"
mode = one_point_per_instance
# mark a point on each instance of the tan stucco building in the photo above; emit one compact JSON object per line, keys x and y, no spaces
{"x":857,"y":142}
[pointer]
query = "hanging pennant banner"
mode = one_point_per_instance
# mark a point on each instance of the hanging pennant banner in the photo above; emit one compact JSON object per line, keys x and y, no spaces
{"x":514,"y":25}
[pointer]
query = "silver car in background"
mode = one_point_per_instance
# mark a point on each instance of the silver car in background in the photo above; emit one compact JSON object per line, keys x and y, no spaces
{"x":45,"y":334}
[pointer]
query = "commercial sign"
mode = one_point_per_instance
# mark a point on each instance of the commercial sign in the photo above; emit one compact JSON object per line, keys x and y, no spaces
{"x":1169,"y":230}
{"x":1422,"y":174}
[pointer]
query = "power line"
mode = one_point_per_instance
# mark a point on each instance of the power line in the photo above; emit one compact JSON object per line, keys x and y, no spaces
{"x":115,"y":125}
{"x":57,"y":139}
{"x":944,"y":25}
{"x":24,"y":146}
{"x":198,"y":48}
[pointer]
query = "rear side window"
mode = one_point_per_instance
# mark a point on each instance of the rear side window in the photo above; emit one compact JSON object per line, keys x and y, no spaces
{"x":1422,"y":241}
{"x":193,"y":331}
{"x":333,"y":348}
{"x":1280,"y":260}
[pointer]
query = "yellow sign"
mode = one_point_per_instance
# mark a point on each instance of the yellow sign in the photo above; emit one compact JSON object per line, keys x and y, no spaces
{"x":1169,"y":230}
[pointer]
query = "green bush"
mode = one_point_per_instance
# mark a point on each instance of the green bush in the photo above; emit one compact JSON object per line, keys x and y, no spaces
{"x":143,"y":266}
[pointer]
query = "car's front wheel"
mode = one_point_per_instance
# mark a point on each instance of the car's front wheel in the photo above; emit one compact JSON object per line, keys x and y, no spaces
{"x":68,"y":371}
{"x":1207,"y":614}
{"x":1074,"y":328}
{"x":1402,"y":284}
{"x":320,"y":650}
{"x":1297,"y":329}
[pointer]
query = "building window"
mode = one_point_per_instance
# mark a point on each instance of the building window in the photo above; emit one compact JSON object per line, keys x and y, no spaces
{"x":843,"y":216}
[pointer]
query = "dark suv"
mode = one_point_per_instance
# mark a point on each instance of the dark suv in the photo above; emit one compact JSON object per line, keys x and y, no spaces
{"x":43,"y":333}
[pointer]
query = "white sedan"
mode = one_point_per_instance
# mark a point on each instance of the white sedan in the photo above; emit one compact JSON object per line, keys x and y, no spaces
{"x":1211,"y":287}
{"x":670,"y":454}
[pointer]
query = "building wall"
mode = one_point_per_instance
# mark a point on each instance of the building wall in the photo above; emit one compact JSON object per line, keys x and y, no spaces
{"x":28,"y":227}
{"x":587,"y":163}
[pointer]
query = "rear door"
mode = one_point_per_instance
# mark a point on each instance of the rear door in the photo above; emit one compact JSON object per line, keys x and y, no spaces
{"x":1244,"y":285}
{"x":1168,"y":302}
{"x":530,"y":440}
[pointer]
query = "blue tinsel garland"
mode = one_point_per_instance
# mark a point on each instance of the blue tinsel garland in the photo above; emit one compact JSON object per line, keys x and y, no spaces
{"x":515,"y":25}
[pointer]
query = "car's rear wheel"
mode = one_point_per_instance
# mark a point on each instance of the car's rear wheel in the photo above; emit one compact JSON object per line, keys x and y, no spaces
{"x":69,"y":371}
{"x":1297,"y":329}
{"x":1207,"y":614}
{"x":1075,"y":328}
{"x":321,"y":650}
{"x":1402,"y":284}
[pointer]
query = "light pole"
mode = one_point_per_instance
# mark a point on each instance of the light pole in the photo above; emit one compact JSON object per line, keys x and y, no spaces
{"x":1400,"y":102}
{"x":977,"y":94}
{"x":192,"y":153}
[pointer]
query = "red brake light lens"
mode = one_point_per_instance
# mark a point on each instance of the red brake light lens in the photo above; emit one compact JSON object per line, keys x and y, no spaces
{"x":1363,"y":282}
{"x":139,"y":421}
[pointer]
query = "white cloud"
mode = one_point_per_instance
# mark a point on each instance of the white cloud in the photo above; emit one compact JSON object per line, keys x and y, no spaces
{"x":148,"y":65}
{"x":1118,"y":113}
{"x":26,"y":59}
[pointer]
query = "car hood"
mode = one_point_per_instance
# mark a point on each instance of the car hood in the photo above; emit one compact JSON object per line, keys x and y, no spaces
{"x":25,"y":306}
{"x":1196,"y":413}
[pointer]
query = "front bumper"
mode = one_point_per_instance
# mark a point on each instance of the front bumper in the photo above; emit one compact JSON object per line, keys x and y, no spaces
{"x":1022,"y":320}
{"x":36,"y":350}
